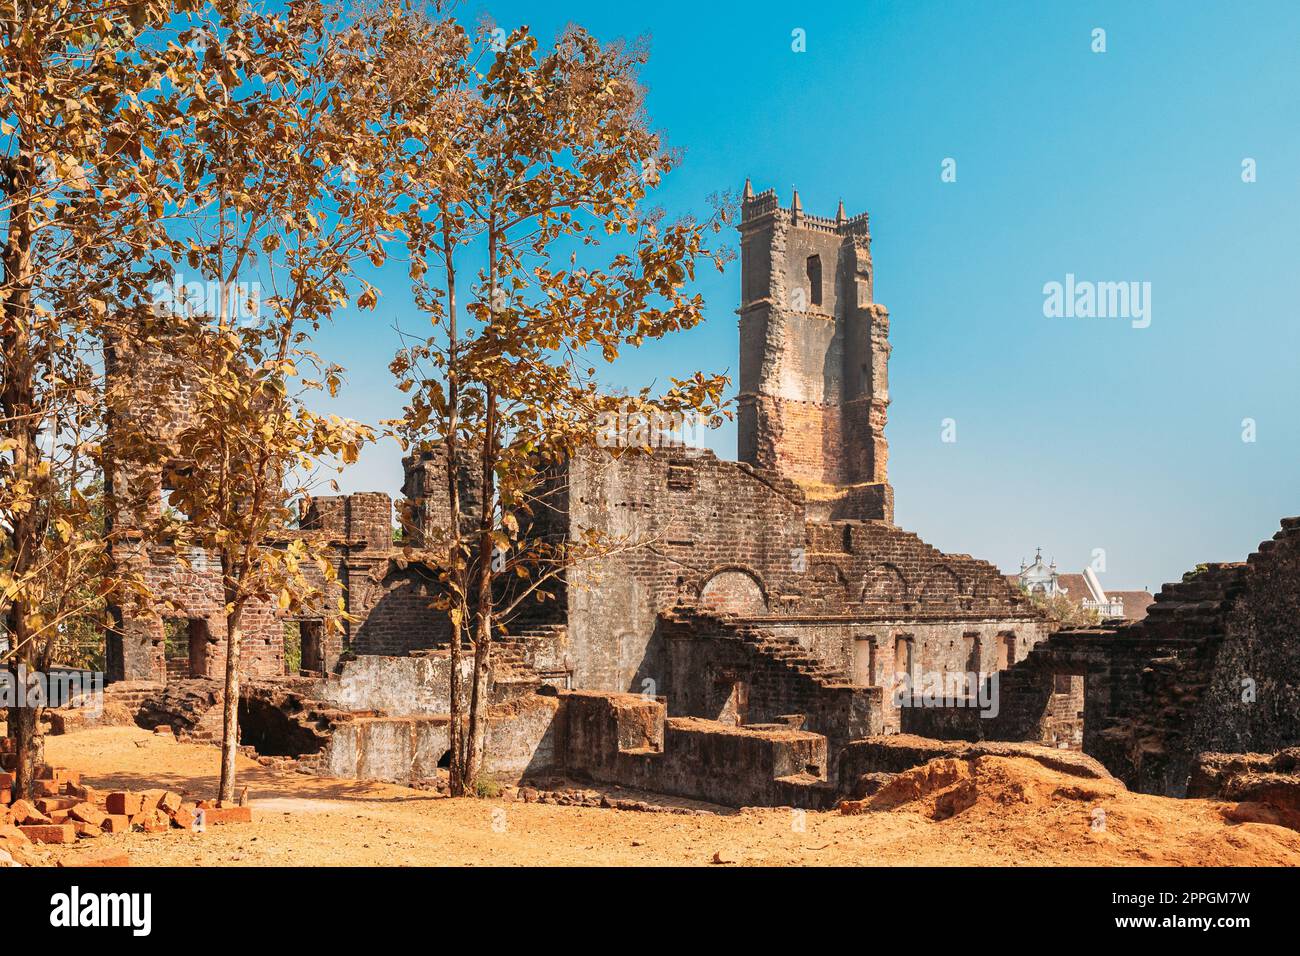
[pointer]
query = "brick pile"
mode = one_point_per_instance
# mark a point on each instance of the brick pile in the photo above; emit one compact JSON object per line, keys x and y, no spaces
{"x":64,"y":811}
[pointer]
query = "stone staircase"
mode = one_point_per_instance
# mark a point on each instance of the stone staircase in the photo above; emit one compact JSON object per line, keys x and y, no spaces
{"x":796,"y":660}
{"x":522,"y":659}
{"x":525,"y":644}
{"x":783,"y":678}
{"x":527,"y":655}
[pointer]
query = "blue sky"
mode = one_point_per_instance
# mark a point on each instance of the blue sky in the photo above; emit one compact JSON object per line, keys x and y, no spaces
{"x":1072,"y":433}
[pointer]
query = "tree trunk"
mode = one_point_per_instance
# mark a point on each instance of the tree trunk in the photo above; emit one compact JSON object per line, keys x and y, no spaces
{"x":477,"y":748}
{"x":21,"y":422}
{"x":230,"y":707}
{"x":456,"y":777}
{"x":29,"y":748}
{"x":455,"y":747}
{"x":24,"y":721}
{"x":483,"y":597}
{"x":486,"y":549}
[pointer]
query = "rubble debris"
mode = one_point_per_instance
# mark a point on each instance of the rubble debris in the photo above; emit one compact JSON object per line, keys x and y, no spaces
{"x":69,"y":811}
{"x":948,"y":786}
{"x":1264,"y":788}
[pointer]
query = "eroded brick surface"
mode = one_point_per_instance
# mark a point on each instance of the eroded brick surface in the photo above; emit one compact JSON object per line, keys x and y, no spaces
{"x":1214,"y":666}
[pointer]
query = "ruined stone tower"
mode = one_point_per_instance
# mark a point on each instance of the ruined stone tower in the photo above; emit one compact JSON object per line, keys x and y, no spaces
{"x":814,"y":357}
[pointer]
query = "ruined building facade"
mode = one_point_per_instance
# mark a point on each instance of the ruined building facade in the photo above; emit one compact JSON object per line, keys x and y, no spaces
{"x":778,"y":583}
{"x":1213,"y":667}
{"x":762,"y":623}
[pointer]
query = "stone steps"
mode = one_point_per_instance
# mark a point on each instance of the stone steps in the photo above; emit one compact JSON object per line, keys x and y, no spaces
{"x":515,"y":654}
{"x":794,"y":658}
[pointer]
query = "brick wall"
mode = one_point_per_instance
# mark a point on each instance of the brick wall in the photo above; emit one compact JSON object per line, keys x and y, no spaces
{"x":152,"y":394}
{"x":395,"y":608}
{"x":135,"y":648}
{"x":1215,"y":666}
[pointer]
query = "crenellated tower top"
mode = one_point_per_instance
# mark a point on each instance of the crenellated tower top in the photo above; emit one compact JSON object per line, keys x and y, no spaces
{"x":757,"y":206}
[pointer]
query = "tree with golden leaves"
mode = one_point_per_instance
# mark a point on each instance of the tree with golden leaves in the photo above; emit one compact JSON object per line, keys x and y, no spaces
{"x":84,"y":116}
{"x":537,"y":258}
{"x":293,"y":169}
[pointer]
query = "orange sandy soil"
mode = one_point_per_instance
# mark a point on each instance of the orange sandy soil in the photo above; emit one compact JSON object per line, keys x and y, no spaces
{"x":1022,"y":814}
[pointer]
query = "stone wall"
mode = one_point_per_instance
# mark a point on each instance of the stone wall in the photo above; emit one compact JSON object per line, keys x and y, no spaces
{"x":726,"y":537}
{"x":361,"y":520}
{"x":625,"y":739}
{"x":192,"y":597}
{"x":1252,"y":699}
{"x":398,"y":686}
{"x":714,"y":519}
{"x":352,"y":534}
{"x":1215,"y":666}
{"x":394,"y":607}
{"x":411,"y":749}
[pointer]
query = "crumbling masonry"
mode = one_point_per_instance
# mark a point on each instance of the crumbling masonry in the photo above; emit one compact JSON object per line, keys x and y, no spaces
{"x":1214,"y":667}
{"x":758,"y":633}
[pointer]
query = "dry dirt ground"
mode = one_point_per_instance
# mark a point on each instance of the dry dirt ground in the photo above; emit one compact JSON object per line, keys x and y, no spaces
{"x":1021,"y":814}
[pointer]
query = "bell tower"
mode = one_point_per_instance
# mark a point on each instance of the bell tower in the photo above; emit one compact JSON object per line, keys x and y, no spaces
{"x":814,"y":357}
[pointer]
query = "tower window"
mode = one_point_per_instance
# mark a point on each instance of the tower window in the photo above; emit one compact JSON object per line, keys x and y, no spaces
{"x":815,"y":279}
